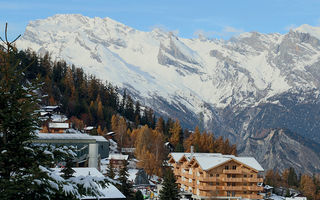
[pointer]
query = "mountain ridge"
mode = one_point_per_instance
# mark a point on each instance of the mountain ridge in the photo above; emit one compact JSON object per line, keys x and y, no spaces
{"x":236,"y":88}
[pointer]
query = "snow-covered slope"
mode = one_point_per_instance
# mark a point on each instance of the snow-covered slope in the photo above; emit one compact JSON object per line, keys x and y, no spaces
{"x":236,"y":88}
{"x":194,"y":78}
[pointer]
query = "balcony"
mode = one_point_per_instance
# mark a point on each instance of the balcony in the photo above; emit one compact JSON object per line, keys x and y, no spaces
{"x":207,"y":178}
{"x":232,"y":171}
{"x":232,"y":180}
{"x":253,"y":188}
{"x":233,"y":188}
{"x":177,"y":172}
{"x":253,"y":180}
{"x":208,"y":187}
{"x":253,"y":196}
{"x":189,"y":176}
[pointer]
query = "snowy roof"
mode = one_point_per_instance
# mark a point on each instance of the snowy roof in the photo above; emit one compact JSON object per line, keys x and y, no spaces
{"x":109,"y":192}
{"x":70,"y":136}
{"x":89,"y":128}
{"x":132,"y":174}
{"x":210,"y":160}
{"x":59,"y":125}
{"x":110,"y":133}
{"x":50,"y":107}
{"x":99,"y":138}
{"x":118,"y":157}
{"x":59,"y":118}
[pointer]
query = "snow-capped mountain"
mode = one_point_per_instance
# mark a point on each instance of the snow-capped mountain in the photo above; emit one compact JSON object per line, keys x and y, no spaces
{"x":237,"y":87}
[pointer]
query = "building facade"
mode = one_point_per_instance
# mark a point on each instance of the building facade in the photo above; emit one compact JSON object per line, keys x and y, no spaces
{"x":217,"y":176}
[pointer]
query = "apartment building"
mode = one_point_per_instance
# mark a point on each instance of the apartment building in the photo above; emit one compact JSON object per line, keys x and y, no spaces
{"x":217,"y":176}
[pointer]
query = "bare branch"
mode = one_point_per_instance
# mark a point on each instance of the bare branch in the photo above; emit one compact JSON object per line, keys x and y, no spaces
{"x":16,"y":39}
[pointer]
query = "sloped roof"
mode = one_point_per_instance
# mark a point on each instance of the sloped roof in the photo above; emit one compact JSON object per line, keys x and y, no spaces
{"x":251,"y":162}
{"x":118,"y":157}
{"x":59,"y":125}
{"x":207,"y":162}
{"x":211,"y":160}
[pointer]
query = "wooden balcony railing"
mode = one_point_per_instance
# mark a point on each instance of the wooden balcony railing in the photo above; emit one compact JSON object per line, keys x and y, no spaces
{"x":232,"y":171}
{"x":253,"y":180}
{"x":253,"y":188}
{"x":207,"y":178}
{"x":189,"y":175}
{"x":232,"y":179}
{"x":233,"y":188}
{"x":253,"y":196}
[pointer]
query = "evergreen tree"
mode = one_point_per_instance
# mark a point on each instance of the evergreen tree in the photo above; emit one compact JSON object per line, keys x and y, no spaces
{"x":169,"y":189}
{"x":138,"y":195}
{"x":110,"y":171}
{"x":292,"y":177}
{"x":20,"y":161}
{"x":67,"y":171}
{"x":125,"y":186}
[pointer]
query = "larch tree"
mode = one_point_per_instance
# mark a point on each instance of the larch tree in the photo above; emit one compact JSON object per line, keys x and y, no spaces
{"x":175,"y":132}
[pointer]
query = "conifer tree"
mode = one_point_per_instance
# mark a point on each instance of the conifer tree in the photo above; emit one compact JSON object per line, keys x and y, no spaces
{"x":20,"y":161}
{"x":138,"y":195}
{"x":125,"y":186}
{"x":67,"y":171}
{"x":110,"y":171}
{"x":169,"y":189}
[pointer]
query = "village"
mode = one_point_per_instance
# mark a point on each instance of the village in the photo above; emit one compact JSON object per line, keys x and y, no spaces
{"x":198,"y":175}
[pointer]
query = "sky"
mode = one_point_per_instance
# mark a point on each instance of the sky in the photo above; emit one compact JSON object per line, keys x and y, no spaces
{"x":186,"y":18}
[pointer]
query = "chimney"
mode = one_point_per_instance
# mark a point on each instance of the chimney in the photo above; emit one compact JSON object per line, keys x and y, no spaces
{"x":191,"y":151}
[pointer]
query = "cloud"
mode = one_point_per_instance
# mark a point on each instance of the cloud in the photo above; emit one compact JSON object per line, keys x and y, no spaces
{"x":226,"y":33}
{"x":290,"y":27}
{"x":232,"y":30}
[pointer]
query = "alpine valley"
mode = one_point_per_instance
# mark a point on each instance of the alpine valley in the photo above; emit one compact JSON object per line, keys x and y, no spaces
{"x":259,"y":90}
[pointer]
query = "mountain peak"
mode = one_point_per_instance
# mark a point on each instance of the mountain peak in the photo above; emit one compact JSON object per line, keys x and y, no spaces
{"x":312,"y":30}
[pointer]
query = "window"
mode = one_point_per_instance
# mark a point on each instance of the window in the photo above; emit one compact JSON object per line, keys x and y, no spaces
{"x":245,"y":184}
{"x":228,"y":184}
{"x":198,"y":174}
{"x":233,"y":184}
{"x":233,"y":175}
{"x":226,"y":167}
{"x":233,"y":193}
{"x":228,"y":193}
{"x":217,"y":183}
{"x":251,"y":175}
{"x":245,"y":175}
{"x":245,"y":192}
{"x":234,"y":167}
{"x":211,"y":175}
{"x":229,"y":176}
{"x":217,"y":175}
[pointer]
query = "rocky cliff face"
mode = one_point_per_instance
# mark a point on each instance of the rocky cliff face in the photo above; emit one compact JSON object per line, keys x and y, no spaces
{"x":236,"y":88}
{"x":280,"y":148}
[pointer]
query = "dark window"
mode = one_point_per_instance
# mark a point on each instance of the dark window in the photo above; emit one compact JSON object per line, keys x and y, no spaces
{"x":229,"y":176}
{"x":233,"y":175}
{"x":217,"y":175}
{"x":234,"y":167}
{"x":233,"y":193}
{"x":226,"y":167}
{"x":218,"y":183}
{"x":245,"y":175}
